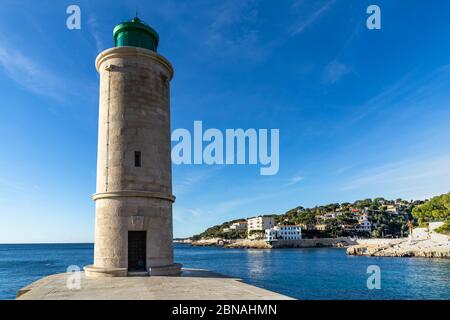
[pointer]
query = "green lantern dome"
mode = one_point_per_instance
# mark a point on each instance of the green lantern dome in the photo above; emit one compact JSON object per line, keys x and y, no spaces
{"x":135,"y":33}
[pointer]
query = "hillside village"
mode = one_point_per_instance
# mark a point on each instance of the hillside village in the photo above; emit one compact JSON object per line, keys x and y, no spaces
{"x":377,"y":218}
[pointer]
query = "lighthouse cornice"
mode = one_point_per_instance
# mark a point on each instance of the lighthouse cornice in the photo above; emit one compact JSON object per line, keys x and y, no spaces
{"x":121,"y":52}
{"x":133,"y":194}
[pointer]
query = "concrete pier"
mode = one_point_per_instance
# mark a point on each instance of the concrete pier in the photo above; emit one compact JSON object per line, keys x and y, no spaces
{"x":193,"y":284}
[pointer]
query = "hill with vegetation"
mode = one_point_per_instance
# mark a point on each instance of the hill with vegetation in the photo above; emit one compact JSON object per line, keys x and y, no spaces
{"x":435,"y":209}
{"x":388,"y":218}
{"x":219,"y":231}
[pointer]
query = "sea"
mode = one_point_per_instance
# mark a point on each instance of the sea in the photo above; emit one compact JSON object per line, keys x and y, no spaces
{"x":305,"y":274}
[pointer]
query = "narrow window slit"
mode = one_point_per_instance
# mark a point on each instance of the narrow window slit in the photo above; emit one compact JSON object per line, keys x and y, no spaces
{"x":137,"y":158}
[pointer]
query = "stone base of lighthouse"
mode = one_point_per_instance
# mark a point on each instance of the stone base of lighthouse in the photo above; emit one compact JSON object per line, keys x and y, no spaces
{"x":133,"y":235}
{"x":92,"y":271}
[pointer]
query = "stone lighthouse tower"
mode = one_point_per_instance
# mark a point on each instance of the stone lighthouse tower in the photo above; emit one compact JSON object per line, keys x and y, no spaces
{"x":133,"y":200}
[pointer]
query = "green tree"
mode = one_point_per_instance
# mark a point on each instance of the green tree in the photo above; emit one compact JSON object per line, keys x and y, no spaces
{"x":435,"y":209}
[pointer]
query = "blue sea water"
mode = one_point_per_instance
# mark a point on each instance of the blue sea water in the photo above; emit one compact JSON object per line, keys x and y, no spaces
{"x":317,"y":273}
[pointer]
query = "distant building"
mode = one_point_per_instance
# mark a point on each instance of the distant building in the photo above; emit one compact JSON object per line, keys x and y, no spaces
{"x":260,"y":223}
{"x":348,"y":227}
{"x":256,"y":226}
{"x":284,"y":232}
{"x":320,"y":227}
{"x":239,"y":226}
{"x":271,"y":235}
{"x":307,"y":226}
{"x":329,"y":215}
{"x":364,"y":226}
{"x":391,"y":208}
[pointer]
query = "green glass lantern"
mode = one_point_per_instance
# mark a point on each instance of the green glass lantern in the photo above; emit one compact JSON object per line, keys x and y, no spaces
{"x":135,"y":33}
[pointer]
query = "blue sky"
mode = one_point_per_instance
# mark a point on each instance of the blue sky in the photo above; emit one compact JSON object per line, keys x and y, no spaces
{"x":361,"y":113}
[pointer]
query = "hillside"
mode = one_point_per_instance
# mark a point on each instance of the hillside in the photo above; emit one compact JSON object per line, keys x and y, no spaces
{"x":436,"y":209}
{"x":387,"y":217}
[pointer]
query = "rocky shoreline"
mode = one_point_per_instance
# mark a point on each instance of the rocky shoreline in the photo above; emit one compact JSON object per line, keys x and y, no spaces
{"x":437,"y":246}
{"x":432,"y":246}
{"x":262,"y":244}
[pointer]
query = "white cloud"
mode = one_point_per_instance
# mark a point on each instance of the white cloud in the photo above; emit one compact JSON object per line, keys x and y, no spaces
{"x":234,"y":31}
{"x":413,"y":178}
{"x":191,"y":180}
{"x":29,"y":74}
{"x":93,"y":30}
{"x":334,"y":71}
{"x":236,"y":204}
{"x":294,"y":180}
{"x":409,"y":90}
{"x":309,"y":20}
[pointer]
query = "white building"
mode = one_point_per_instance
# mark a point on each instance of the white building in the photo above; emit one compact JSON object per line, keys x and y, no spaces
{"x":320,"y":227}
{"x":256,"y":226}
{"x":364,"y":224}
{"x":329,"y":215}
{"x":391,"y":209}
{"x":260,"y":223}
{"x":284,"y":232}
{"x":239,"y":226}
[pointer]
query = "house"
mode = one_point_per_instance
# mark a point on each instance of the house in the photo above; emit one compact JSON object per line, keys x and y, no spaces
{"x":364,"y":226}
{"x":348,"y":227}
{"x":284,"y":232}
{"x":320,"y":227}
{"x":308,"y":226}
{"x":260,"y":223}
{"x":391,"y":209}
{"x":239,"y":226}
{"x":330,"y":215}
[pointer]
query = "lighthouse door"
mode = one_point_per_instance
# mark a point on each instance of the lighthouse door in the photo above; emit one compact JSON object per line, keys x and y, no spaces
{"x":137,"y":250}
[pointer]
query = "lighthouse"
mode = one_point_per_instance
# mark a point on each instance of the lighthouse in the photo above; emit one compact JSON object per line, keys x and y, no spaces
{"x":133,"y":199}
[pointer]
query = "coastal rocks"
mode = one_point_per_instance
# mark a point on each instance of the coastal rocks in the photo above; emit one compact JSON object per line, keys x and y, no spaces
{"x":250,"y":244}
{"x":183,"y":240}
{"x":315,"y":243}
{"x":356,"y":250}
{"x":341,"y":242}
{"x":433,"y":247}
{"x":208,"y":242}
